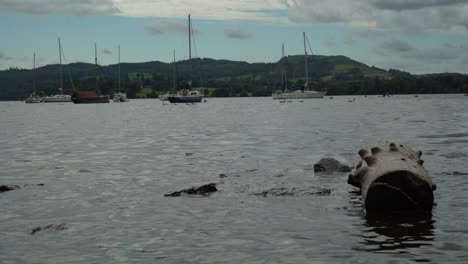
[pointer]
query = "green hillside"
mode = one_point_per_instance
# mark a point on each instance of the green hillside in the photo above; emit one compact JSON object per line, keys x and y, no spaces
{"x":338,"y":74}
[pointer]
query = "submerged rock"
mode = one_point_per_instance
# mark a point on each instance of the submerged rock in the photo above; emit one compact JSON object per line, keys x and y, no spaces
{"x":205,"y":190}
{"x":328,"y":165}
{"x":391,"y":178}
{"x":59,"y":227}
{"x":6,"y":188}
{"x":283,"y":191}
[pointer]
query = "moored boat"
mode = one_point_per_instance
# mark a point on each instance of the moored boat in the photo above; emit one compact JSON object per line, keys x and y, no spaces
{"x":60,"y":97}
{"x":120,"y":95}
{"x":34,"y":98}
{"x":91,"y":97}
{"x":187,"y":95}
{"x":301,"y":92}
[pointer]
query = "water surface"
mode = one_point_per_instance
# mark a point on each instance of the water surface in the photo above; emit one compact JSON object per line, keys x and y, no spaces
{"x":105,"y":169}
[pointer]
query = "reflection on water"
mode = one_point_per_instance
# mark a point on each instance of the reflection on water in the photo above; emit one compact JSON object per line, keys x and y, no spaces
{"x":397,"y":233}
{"x":389,"y":234}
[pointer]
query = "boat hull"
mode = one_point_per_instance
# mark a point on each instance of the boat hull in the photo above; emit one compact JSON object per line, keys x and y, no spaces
{"x":298,"y":95}
{"x":82,"y":97}
{"x":96,"y":100}
{"x":33,"y":100}
{"x":57,"y":99}
{"x":174,"y":99}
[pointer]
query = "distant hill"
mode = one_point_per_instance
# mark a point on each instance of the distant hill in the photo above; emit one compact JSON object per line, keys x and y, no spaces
{"x":338,"y":74}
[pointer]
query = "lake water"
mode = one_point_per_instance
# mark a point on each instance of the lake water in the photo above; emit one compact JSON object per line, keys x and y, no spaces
{"x":106,"y":168}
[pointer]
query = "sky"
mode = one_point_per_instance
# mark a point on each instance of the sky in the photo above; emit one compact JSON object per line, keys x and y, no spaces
{"x":418,"y":36}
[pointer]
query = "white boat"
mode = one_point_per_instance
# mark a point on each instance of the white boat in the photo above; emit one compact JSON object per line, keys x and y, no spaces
{"x":164,"y":97}
{"x":187,"y":95}
{"x":60,"y":97}
{"x":297,"y":94}
{"x":57,"y":98}
{"x":120,"y":95}
{"x":34,"y":98}
{"x":301,"y":92}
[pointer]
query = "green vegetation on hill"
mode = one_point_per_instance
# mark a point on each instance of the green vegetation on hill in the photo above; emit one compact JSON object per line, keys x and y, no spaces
{"x":339,"y":75}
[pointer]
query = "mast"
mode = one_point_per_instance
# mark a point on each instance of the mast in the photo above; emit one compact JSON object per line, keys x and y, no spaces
{"x":60,"y":56}
{"x":174,"y":73}
{"x":190,"y":46}
{"x":306,"y":84}
{"x":34,"y":73}
{"x":97,"y":68}
{"x":119,"y":67}
{"x":282,"y":67}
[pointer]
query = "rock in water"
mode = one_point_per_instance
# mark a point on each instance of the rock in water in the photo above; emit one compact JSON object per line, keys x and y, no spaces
{"x":391,"y":178}
{"x":330,"y":165}
{"x":6,"y":188}
{"x":204,"y":190}
{"x":59,"y":227}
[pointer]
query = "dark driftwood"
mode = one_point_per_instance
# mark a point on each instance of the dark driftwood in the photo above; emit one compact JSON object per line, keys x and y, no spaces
{"x":391,"y":178}
{"x":204,"y":190}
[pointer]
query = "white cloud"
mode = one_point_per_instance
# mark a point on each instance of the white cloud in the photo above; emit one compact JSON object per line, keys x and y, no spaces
{"x":236,"y":33}
{"x":413,"y":16}
{"x":168,"y":26}
{"x":4,"y":57}
{"x":254,"y":10}
{"x":71,"y":7}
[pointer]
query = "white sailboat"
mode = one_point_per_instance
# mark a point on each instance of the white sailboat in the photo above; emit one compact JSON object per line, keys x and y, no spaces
{"x":304,"y":92}
{"x":120,"y":94}
{"x":60,"y":97}
{"x":165,"y":96}
{"x":187,"y":95}
{"x":34,"y":97}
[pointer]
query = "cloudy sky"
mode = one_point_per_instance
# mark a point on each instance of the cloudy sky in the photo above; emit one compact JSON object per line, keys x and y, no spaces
{"x":419,"y":36}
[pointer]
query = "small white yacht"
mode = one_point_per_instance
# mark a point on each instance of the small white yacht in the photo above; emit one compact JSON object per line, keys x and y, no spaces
{"x":120,"y":96}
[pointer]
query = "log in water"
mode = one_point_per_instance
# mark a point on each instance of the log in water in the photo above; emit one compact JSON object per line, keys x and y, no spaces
{"x":391,"y":178}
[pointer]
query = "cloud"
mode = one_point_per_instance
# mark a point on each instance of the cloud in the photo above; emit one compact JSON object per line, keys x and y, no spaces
{"x":411,"y":16}
{"x":432,"y":54}
{"x":106,"y":51}
{"x":399,"y":5}
{"x":396,"y":45}
{"x":70,"y":7}
{"x":250,"y":10}
{"x":168,"y":26}
{"x":4,"y":57}
{"x":236,"y":33}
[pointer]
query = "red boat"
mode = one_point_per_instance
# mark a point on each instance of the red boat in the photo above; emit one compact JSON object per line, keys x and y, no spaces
{"x":89,"y":97}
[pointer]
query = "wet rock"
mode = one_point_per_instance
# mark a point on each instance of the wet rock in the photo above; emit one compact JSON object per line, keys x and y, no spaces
{"x":328,"y":165}
{"x":222,"y":175}
{"x":59,"y":227}
{"x":283,"y":191}
{"x":391,"y":178}
{"x":205,"y":190}
{"x":6,"y":188}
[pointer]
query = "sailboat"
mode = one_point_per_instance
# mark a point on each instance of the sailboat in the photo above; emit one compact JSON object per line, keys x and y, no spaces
{"x":284,"y":83}
{"x":303,"y":92}
{"x":91,"y":97}
{"x":165,"y":97}
{"x":60,"y":97}
{"x":34,"y":97}
{"x":187,"y":95}
{"x":120,"y":94}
